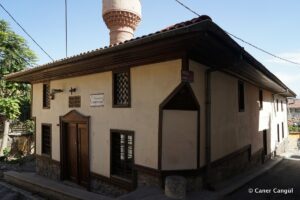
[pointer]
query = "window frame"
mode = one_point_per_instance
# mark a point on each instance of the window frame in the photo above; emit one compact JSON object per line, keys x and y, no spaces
{"x":282,"y":130}
{"x":281,"y":105}
{"x":50,"y":139}
{"x":114,"y":104}
{"x":112,"y":174}
{"x":277,"y":105}
{"x":278,"y":133}
{"x":241,"y":96}
{"x":261,"y":98}
{"x":46,"y":98}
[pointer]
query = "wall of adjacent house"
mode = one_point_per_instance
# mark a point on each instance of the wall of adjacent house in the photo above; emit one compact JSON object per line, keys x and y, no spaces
{"x":150,"y":85}
{"x":230,"y":129}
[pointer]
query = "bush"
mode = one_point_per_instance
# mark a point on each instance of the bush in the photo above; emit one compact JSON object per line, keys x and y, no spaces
{"x":294,"y":129}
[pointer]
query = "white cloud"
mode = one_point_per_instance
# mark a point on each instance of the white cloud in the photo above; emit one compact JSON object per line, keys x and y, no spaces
{"x":292,"y":56}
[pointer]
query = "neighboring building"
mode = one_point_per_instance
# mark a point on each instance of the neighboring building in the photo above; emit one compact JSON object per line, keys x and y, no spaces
{"x":186,"y":100}
{"x":294,"y":110}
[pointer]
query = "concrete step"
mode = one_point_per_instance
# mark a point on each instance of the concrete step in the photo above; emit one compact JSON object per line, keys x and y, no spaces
{"x":49,"y":188}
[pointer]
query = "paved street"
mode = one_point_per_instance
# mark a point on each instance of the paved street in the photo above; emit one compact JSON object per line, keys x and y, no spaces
{"x":9,"y":192}
{"x":281,"y":182}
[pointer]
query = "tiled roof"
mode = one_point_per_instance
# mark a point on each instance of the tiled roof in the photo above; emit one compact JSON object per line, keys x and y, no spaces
{"x":96,"y":51}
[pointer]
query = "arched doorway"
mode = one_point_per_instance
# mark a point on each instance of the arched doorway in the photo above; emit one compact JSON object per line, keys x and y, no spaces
{"x":74,"y":132}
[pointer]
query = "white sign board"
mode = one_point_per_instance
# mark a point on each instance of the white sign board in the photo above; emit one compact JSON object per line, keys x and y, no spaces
{"x":97,"y":100}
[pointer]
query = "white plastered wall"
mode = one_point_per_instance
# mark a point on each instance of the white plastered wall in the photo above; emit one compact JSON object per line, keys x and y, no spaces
{"x":198,"y":86}
{"x":231,"y":129}
{"x":179,"y":140}
{"x":150,"y":85}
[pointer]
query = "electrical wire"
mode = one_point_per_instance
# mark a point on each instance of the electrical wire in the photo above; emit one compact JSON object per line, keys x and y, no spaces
{"x":242,"y":40}
{"x":25,"y":31}
{"x":66,"y":26}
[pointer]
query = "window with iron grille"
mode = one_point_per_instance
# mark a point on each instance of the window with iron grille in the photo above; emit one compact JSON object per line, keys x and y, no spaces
{"x":46,"y":139}
{"x":46,"y":95}
{"x":121,"y":89}
{"x":122,"y":154}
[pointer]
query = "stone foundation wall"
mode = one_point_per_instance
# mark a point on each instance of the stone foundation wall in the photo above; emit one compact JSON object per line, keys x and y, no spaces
{"x":146,"y":179}
{"x":105,"y":187}
{"x":47,"y":167}
{"x":194,"y":183}
{"x":229,"y":167}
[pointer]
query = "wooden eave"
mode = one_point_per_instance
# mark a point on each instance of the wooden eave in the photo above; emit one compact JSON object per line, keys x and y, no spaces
{"x":205,"y":42}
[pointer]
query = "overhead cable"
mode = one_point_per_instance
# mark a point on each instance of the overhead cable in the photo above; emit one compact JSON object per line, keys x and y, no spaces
{"x":25,"y":31}
{"x":242,"y":40}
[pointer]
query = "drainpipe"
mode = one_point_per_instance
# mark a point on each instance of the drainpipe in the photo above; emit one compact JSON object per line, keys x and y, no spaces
{"x":208,"y":125}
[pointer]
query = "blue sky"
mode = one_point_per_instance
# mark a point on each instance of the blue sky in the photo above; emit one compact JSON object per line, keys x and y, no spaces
{"x":271,"y":25}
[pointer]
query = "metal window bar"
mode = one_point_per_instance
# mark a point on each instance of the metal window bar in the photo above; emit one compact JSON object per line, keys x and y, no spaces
{"x":121,"y":88}
{"x":122,"y":155}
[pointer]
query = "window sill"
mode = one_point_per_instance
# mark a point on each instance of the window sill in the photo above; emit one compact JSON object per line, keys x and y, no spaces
{"x":121,"y":106}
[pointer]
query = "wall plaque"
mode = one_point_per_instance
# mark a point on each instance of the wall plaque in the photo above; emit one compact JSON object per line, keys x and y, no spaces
{"x":97,"y":100}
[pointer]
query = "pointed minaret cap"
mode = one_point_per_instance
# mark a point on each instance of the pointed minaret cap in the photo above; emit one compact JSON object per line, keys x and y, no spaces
{"x":121,"y":17}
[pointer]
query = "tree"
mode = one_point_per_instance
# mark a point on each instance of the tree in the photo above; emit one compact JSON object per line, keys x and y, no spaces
{"x":15,"y":55}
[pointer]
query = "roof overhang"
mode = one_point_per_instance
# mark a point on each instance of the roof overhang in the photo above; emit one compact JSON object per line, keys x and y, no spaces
{"x":205,"y":42}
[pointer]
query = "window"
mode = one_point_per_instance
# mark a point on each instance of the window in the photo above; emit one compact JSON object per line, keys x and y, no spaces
{"x":281,"y":105}
{"x":122,"y":154}
{"x":241,"y":96}
{"x":277,"y":105}
{"x":121,"y":89}
{"x":46,"y":139}
{"x":278,"y":137}
{"x":282,"y":127}
{"x":261,"y":99}
{"x":46,"y":95}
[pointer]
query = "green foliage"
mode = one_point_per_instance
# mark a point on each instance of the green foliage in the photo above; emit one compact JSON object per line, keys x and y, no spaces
{"x":15,"y":55}
{"x":294,"y":128}
{"x":29,"y":125}
{"x":10,"y":108}
{"x":6,"y":153}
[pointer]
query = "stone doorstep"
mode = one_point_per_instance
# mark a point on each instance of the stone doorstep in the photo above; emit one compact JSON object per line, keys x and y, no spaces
{"x":49,"y":188}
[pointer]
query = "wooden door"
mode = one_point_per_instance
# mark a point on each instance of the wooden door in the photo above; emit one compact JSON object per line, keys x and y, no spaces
{"x":74,"y":135}
{"x":83,"y":156}
{"x":72,"y":153}
{"x":78,"y":153}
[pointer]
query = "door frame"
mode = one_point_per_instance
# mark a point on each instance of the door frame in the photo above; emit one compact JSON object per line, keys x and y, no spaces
{"x":71,"y":117}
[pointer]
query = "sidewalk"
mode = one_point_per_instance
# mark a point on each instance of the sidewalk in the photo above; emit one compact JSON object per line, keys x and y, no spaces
{"x":49,"y":188}
{"x":57,"y":190}
{"x":229,"y":186}
{"x":222,"y":189}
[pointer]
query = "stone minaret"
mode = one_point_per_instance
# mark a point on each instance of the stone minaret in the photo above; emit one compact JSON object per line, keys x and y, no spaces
{"x":122,"y":18}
